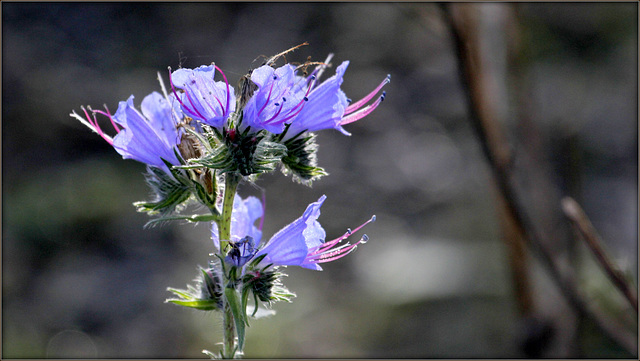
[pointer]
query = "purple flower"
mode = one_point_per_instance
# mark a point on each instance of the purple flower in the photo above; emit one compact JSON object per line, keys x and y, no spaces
{"x":301,"y":243}
{"x":275,"y":100}
{"x":327,"y":106}
{"x":202,"y":98}
{"x":282,"y":97}
{"x":147,"y":137}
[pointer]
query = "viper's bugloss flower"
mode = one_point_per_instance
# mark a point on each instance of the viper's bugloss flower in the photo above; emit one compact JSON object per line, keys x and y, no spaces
{"x":201,"y":97}
{"x":275,"y":101}
{"x":148,"y":136}
{"x":328,"y":107}
{"x":301,"y":243}
{"x":281,"y":97}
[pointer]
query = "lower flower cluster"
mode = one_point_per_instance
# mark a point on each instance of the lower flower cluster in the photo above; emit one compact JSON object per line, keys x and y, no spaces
{"x":202,"y":138}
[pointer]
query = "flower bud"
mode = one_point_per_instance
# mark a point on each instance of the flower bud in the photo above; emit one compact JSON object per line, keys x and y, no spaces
{"x":206,"y":295}
{"x":301,"y":159}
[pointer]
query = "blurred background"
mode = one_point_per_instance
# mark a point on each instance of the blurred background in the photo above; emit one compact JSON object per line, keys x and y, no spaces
{"x":81,"y":277}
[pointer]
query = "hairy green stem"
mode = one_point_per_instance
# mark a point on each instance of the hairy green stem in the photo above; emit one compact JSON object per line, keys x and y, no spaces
{"x":224,"y":233}
{"x":224,"y":227}
{"x":229,"y":349}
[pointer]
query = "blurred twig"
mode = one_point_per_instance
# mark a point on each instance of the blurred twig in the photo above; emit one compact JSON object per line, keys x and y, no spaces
{"x":496,"y":150}
{"x":574,"y":212}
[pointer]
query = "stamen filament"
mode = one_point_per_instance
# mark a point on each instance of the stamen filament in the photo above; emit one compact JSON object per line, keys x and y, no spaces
{"x":268,"y":97}
{"x":226,"y":109}
{"x":355,"y":106}
{"x":362,"y":112}
{"x":277,"y":113}
{"x":329,"y":252}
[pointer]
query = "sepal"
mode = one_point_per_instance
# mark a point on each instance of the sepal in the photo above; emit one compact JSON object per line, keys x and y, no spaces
{"x":244,"y":153}
{"x":169,"y":192}
{"x":301,"y":160}
{"x":206,"y":295}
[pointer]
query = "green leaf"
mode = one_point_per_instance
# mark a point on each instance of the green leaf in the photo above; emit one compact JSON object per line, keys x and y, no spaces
{"x":195,"y":218}
{"x":204,"y":305}
{"x":238,"y":315}
{"x":169,"y":193}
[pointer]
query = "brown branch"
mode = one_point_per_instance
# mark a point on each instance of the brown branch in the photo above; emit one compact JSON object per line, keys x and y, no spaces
{"x":576,"y":215}
{"x":495,"y":149}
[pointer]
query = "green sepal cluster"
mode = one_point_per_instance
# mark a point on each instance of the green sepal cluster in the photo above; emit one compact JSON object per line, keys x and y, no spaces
{"x":206,"y":295}
{"x":169,"y":191}
{"x":301,"y":159}
{"x":264,"y":284}
{"x":245,"y":153}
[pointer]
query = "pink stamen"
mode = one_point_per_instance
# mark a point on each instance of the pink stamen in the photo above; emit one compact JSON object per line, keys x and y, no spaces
{"x":224,"y":114}
{"x":334,"y":256}
{"x":268,"y":98}
{"x":115,"y":125}
{"x":327,"y":253}
{"x":277,"y":113}
{"x":195,"y":110}
{"x":362,"y":112}
{"x":108,"y":114}
{"x":355,"y":106}
{"x":96,"y":127}
{"x":298,"y":108}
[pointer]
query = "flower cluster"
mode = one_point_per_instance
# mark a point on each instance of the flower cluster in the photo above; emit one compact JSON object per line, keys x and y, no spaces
{"x":201,"y":137}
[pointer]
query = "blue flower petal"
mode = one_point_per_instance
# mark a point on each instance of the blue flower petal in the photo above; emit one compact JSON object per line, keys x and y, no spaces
{"x":147,"y":139}
{"x":325,"y":108}
{"x":290,"y":245}
{"x":204,"y":99}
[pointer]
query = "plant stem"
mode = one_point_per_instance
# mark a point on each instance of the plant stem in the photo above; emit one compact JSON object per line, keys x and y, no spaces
{"x":229,"y":349}
{"x":224,"y":233}
{"x":224,"y":227}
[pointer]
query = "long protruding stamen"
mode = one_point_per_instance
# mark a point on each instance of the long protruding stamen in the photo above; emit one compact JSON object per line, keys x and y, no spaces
{"x":91,"y":122}
{"x":363,"y":112}
{"x":355,"y":106}
{"x":113,"y":123}
{"x":96,"y":126}
{"x":278,"y":112}
{"x":226,"y":109}
{"x":328,"y":251}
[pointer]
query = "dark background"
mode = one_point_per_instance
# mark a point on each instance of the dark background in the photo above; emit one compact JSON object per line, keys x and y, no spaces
{"x":82,"y":278}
